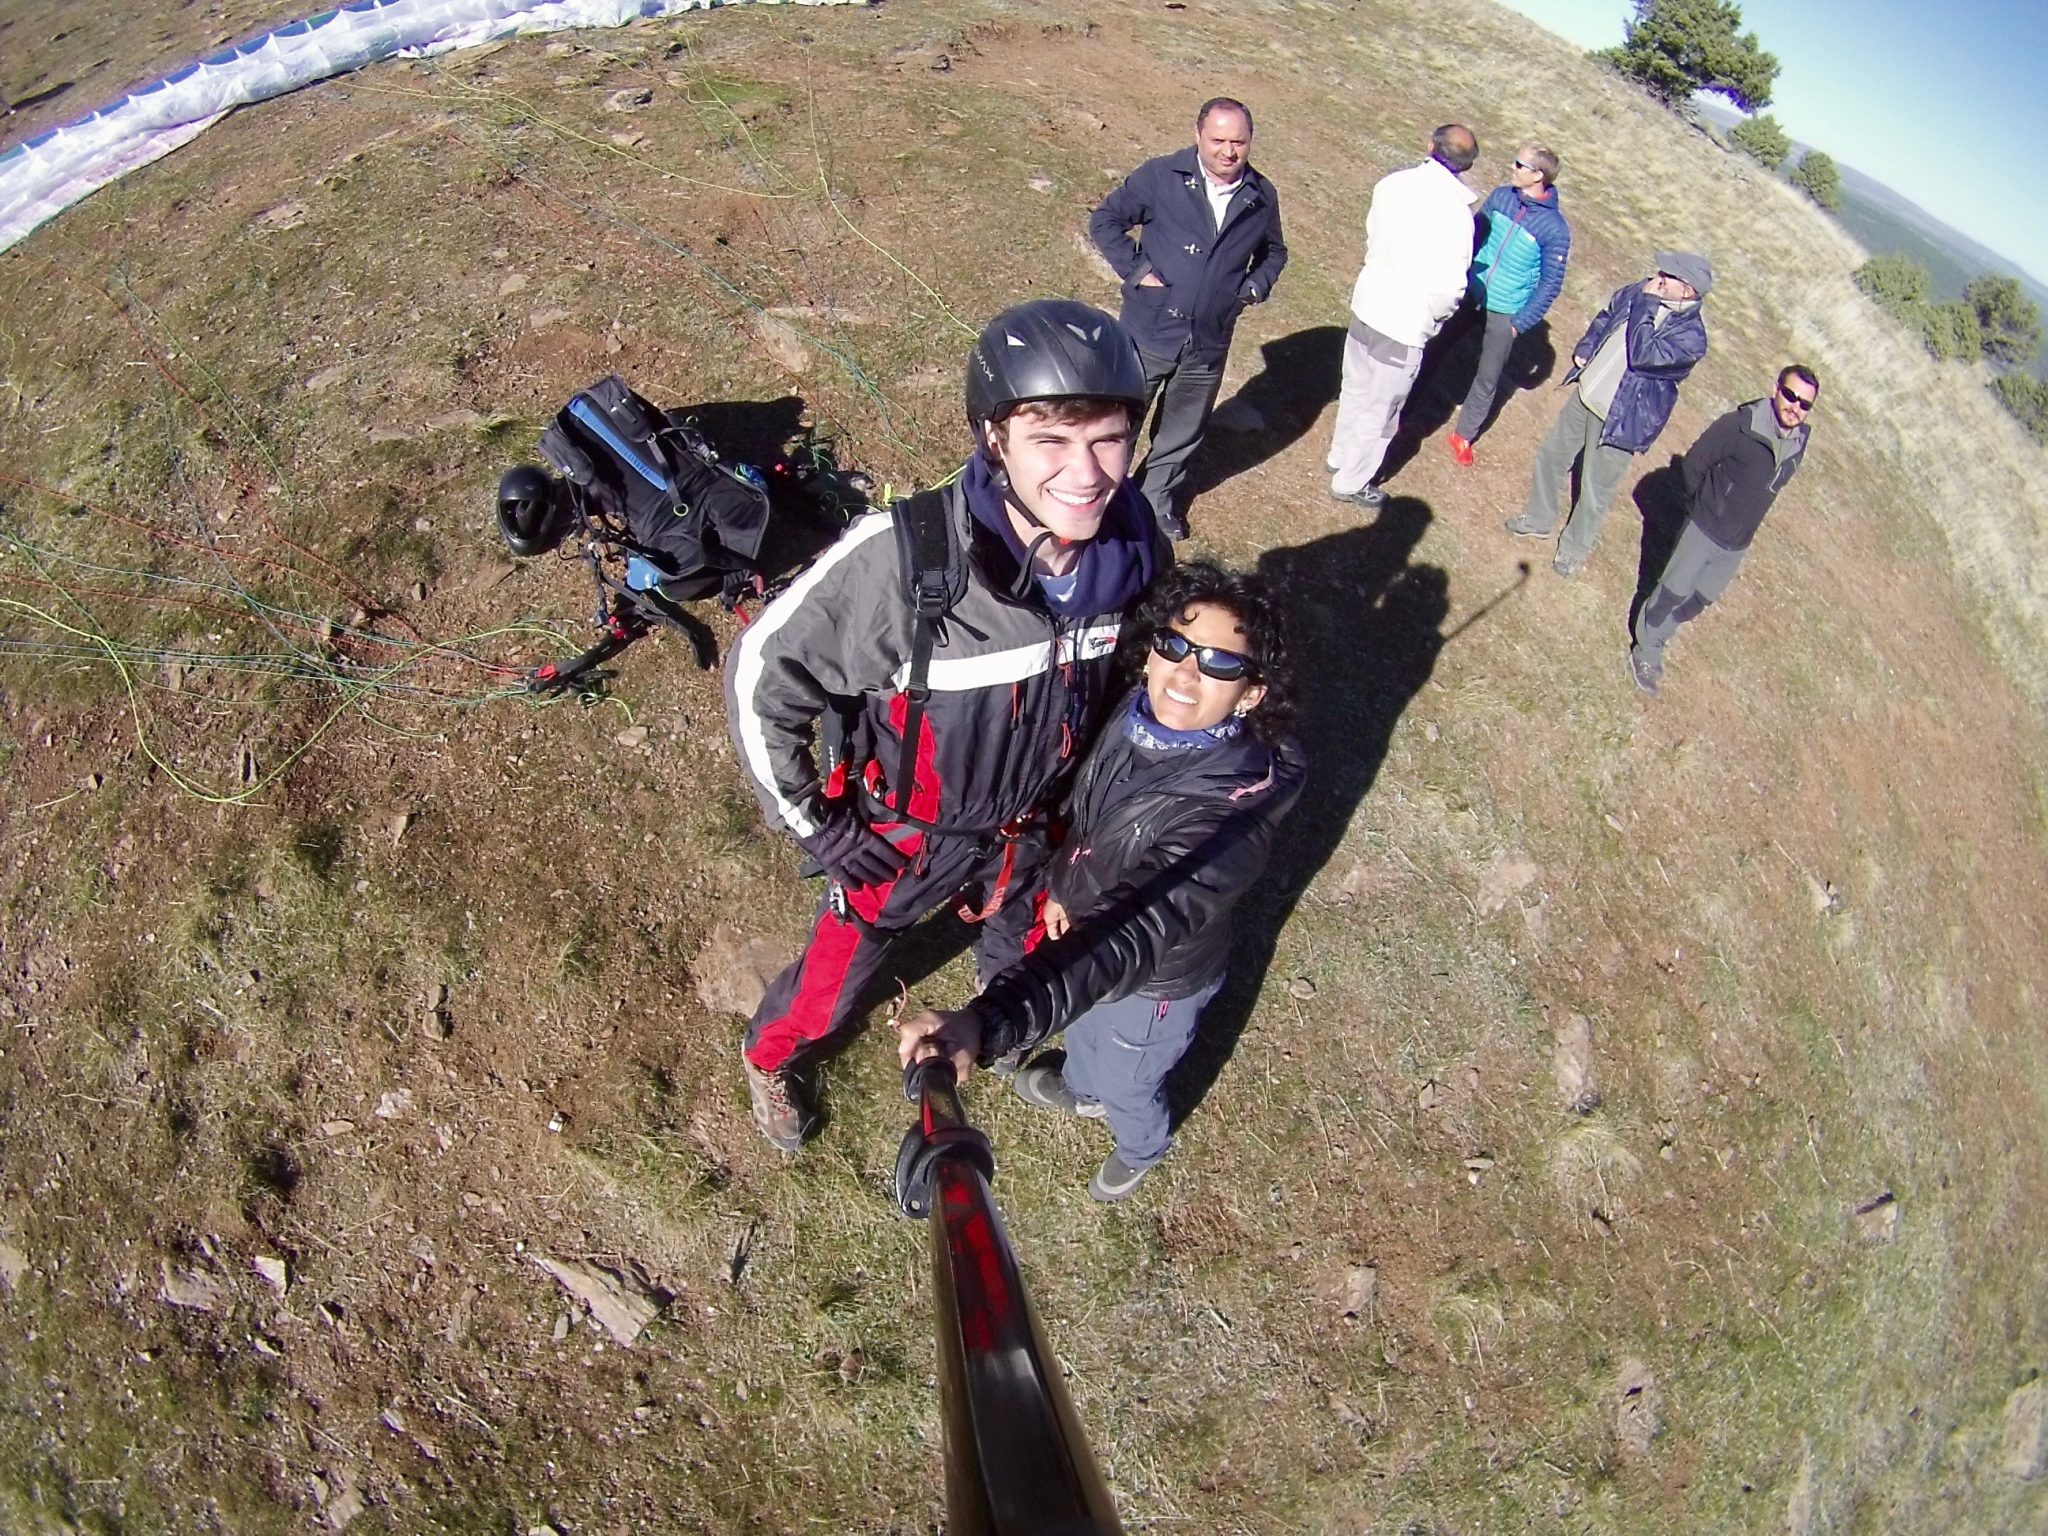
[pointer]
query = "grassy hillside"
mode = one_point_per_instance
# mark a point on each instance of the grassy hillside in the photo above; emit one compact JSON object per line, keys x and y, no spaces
{"x":343,"y":987}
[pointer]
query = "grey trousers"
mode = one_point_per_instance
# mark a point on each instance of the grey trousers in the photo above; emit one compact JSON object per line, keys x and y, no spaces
{"x":1575,"y":433}
{"x":1494,"y":346}
{"x":1118,"y":1054}
{"x":1185,"y":393}
{"x":1697,"y":573}
{"x":1378,"y":373}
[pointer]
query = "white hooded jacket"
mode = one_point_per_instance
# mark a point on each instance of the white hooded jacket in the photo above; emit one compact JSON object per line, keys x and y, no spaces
{"x":1418,"y":248}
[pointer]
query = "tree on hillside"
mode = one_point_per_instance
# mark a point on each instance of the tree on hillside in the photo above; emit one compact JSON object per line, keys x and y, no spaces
{"x":1951,"y":332}
{"x":2027,"y":398}
{"x":1761,"y":139}
{"x":2007,"y":317}
{"x":1816,"y":173}
{"x":1676,"y":47}
{"x":1899,"y":284}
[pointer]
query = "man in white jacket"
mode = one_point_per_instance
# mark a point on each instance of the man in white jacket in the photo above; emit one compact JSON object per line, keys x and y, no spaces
{"x":1418,"y":247}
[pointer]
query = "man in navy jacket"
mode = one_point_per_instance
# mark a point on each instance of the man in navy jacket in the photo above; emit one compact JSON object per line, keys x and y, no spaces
{"x":1207,"y":243}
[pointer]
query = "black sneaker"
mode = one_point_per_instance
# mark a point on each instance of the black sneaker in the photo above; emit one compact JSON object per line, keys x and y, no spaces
{"x":1115,"y":1179}
{"x":1368,"y":496}
{"x":1648,"y":674}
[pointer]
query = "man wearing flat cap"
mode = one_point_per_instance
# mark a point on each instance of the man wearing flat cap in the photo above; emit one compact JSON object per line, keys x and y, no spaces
{"x":1627,"y":367}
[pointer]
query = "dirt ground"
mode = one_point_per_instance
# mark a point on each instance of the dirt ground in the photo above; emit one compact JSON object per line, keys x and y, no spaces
{"x":1622,"y":1112}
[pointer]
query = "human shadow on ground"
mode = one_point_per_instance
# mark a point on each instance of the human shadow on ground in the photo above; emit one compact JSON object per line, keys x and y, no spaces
{"x":1299,"y":377}
{"x":1367,"y":625}
{"x":1449,"y":364}
{"x":1660,"y":497}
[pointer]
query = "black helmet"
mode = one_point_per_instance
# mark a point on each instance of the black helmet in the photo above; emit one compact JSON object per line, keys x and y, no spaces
{"x":531,"y":511}
{"x":1052,"y":349}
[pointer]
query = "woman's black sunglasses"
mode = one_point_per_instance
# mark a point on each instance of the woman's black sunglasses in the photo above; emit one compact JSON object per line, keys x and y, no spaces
{"x":1210,"y":661}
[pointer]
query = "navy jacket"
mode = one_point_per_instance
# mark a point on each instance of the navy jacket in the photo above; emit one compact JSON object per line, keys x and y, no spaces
{"x":1209,"y":275}
{"x":1659,"y":358}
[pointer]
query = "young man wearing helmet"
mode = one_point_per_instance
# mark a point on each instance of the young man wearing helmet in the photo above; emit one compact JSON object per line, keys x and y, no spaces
{"x":1054,"y":545}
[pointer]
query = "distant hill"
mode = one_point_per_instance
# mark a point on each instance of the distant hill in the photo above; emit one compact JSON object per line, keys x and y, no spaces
{"x":1886,"y":223}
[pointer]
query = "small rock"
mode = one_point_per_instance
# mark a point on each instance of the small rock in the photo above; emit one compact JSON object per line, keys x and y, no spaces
{"x":392,"y":1421}
{"x":782,"y":342}
{"x":628,"y":140}
{"x":1431,"y":731}
{"x":1357,"y":1290}
{"x":629,"y":100}
{"x":1637,"y":1409}
{"x":1507,"y":877}
{"x":399,"y":823}
{"x":561,"y":1327}
{"x":13,"y":1266}
{"x":326,"y":378}
{"x":1877,"y":1221}
{"x":2026,"y":1431}
{"x":622,"y":1304}
{"x":332,"y":1128}
{"x":732,"y":971}
{"x":1301,"y":989}
{"x":343,"y":1502}
{"x":1571,"y":1063}
{"x":272,"y":1269}
{"x":1429,"y":1096}
{"x":632,"y":736}
{"x":514,"y":282}
{"x":419,"y":591}
{"x":393,"y":1104}
{"x":189,"y":1289}
{"x":283,"y":216}
{"x":1040,"y":183}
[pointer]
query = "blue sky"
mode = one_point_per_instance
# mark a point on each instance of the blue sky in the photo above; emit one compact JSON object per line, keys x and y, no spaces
{"x":1945,"y":103}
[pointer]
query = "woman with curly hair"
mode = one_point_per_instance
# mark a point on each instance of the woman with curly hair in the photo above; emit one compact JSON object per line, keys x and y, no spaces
{"x":1172,"y":818}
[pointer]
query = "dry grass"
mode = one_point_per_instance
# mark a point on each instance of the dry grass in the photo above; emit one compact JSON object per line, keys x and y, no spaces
{"x":1812,"y":961}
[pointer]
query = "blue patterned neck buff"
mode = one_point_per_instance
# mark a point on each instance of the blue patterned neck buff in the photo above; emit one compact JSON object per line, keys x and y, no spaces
{"x":1144,"y":731}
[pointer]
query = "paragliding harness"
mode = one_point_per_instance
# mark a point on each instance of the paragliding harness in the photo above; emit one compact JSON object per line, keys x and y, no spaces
{"x":659,"y":517}
{"x":933,"y":563}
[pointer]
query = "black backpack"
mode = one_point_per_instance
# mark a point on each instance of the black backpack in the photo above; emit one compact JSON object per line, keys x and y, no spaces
{"x":660,"y":491}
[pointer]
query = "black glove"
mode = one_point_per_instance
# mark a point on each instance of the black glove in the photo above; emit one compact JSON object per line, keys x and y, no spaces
{"x":1250,"y":292}
{"x":851,"y":852}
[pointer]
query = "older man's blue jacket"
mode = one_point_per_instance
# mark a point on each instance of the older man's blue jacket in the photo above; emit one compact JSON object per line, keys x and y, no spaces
{"x":1659,"y":358}
{"x":1209,"y":275}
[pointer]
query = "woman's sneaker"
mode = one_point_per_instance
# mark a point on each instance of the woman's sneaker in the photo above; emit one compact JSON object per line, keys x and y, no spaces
{"x":1115,"y":1178}
{"x":1041,"y":1084}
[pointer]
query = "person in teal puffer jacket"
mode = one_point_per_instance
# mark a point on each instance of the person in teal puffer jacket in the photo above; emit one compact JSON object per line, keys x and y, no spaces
{"x":1517,"y":274}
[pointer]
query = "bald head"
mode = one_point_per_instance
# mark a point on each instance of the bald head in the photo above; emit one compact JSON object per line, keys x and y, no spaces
{"x":1454,"y":146}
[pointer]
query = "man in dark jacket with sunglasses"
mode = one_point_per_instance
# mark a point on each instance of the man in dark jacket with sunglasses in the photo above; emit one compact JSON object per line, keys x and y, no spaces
{"x":1731,"y":475}
{"x":1056,"y":545}
{"x":1208,"y":244}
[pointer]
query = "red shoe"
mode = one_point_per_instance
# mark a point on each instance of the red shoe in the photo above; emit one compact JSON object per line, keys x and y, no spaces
{"x":1461,"y":450}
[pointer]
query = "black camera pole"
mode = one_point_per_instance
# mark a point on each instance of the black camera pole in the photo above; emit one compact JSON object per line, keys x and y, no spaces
{"x":1017,"y":1460}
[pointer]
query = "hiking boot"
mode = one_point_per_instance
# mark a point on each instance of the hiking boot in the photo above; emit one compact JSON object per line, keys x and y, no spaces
{"x":1648,"y":674}
{"x":780,"y":1108}
{"x":1041,"y":1084}
{"x":1115,"y":1179}
{"x":1521,"y":527}
{"x":1461,"y":449}
{"x":1368,"y":496}
{"x":1565,"y":565}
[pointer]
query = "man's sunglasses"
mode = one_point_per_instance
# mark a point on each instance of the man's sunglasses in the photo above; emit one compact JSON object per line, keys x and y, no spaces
{"x":1210,"y":661}
{"x":1801,"y":401}
{"x":1523,"y":165}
